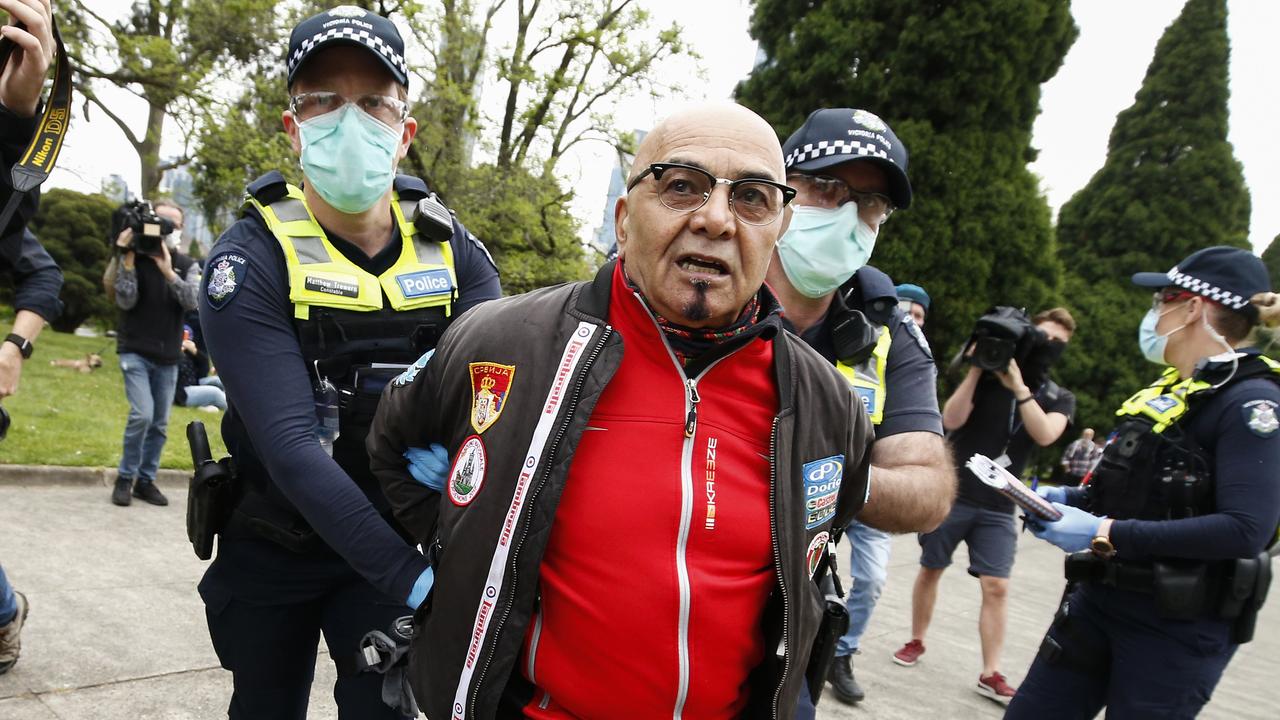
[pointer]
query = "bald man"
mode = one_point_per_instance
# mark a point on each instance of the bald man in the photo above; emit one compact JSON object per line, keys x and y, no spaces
{"x":646,"y":470}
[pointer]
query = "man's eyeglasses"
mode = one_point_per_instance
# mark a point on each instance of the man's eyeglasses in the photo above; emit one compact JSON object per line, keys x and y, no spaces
{"x":1169,"y":295}
{"x":827,"y":192}
{"x":684,"y":188}
{"x":383,"y":108}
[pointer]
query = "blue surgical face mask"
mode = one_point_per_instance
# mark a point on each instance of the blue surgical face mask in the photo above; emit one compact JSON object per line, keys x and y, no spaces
{"x":823,"y":248}
{"x":1152,"y":343}
{"x":349,"y":158}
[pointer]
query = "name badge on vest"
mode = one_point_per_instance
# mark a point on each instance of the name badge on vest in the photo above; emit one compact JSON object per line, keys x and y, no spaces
{"x":332,"y":286}
{"x":425,"y":282}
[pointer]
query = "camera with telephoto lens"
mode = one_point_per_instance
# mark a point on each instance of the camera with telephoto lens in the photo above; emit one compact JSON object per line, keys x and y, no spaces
{"x":149,"y":229}
{"x":1003,"y":334}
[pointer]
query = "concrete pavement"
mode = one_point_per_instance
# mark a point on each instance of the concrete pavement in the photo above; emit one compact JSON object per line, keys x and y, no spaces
{"x":117,"y":629}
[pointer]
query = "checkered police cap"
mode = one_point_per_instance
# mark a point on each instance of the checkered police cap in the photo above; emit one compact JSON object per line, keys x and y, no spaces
{"x":348,"y":25}
{"x":832,"y":136}
{"x":1226,"y":275}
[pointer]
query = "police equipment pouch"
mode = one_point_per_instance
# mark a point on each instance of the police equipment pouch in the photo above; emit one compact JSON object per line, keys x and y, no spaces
{"x":835,"y":623}
{"x":387,"y":654}
{"x":1181,"y":588}
{"x":432,"y":219}
{"x":211,"y":496}
{"x":1244,"y":593}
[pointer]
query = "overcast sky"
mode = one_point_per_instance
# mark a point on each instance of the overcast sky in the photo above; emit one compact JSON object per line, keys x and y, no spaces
{"x":1101,"y":73}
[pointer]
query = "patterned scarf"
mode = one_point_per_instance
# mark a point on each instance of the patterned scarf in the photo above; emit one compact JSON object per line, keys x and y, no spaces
{"x":692,"y":343}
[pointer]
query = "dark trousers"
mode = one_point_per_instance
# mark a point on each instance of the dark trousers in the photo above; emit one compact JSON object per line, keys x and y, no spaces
{"x":1116,"y":653}
{"x":266,"y":609}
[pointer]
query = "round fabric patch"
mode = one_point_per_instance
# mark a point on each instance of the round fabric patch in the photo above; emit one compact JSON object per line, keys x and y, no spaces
{"x":1260,"y":416}
{"x":467,"y":475}
{"x":225,"y":275}
{"x":814,"y":554}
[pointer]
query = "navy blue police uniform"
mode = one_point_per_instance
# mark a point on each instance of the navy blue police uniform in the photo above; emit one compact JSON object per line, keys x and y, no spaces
{"x":312,"y":546}
{"x":1188,"y":479}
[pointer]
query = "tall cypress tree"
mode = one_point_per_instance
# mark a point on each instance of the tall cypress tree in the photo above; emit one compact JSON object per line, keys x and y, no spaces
{"x":1170,"y":185}
{"x":959,"y":82}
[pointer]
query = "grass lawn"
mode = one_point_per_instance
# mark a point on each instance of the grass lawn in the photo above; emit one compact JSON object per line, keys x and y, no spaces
{"x":63,"y":417}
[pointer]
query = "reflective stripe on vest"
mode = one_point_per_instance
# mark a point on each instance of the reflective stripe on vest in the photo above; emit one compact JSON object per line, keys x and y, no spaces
{"x":1164,"y":401}
{"x":868,"y":377}
{"x":321,"y":276}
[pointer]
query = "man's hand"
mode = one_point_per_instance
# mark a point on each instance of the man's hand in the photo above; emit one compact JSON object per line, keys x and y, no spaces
{"x":429,"y":466}
{"x":1012,"y":380}
{"x":165,"y":262}
{"x":23,"y":77}
{"x":189,"y":347}
{"x":124,"y":241}
{"x":10,"y":368}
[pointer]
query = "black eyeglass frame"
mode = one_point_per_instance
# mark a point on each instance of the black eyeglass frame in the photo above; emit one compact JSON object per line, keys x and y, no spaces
{"x":656,"y":170}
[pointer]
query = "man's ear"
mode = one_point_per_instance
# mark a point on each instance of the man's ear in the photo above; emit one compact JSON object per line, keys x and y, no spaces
{"x":291,"y":129}
{"x":620,"y":214}
{"x":406,"y":137}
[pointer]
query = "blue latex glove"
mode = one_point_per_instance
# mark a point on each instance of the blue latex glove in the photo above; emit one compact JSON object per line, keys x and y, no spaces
{"x":421,"y":588}
{"x":429,"y":466}
{"x":1053,"y":493}
{"x":1073,"y":533}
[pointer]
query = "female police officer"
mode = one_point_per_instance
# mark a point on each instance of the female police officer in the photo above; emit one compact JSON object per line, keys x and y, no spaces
{"x":1169,"y":534}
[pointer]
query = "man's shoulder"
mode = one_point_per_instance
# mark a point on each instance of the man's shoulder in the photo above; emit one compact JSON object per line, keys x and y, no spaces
{"x":517,"y":313}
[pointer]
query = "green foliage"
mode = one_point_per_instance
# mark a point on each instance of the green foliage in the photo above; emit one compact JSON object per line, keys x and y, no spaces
{"x":523,"y":220}
{"x":1170,"y":186}
{"x":959,"y":82}
{"x":1271,"y":257}
{"x":73,"y":227}
{"x":63,"y":417}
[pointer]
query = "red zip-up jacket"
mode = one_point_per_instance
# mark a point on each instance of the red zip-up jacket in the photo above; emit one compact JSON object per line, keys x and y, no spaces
{"x":658,"y":594}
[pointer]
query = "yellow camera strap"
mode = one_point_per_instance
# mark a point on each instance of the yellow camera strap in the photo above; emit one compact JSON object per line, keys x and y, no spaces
{"x":37,"y":162}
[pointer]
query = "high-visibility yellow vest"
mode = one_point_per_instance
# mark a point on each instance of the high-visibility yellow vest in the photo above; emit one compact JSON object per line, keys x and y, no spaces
{"x":868,"y":376}
{"x":321,"y":276}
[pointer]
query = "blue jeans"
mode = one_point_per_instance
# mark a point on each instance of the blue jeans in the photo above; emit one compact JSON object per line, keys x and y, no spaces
{"x":149,"y":387}
{"x":208,"y":392}
{"x":8,"y":603}
{"x":869,"y":567}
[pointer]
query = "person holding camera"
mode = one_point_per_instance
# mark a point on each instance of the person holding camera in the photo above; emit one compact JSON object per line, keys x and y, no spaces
{"x":313,"y":300}
{"x":155,"y":285}
{"x":848,"y":312}
{"x":1170,"y":537}
{"x":36,"y":276}
{"x":1005,"y":406}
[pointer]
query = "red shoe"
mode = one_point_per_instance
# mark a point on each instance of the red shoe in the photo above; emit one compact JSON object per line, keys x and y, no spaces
{"x":909,"y":654}
{"x":995,"y":687}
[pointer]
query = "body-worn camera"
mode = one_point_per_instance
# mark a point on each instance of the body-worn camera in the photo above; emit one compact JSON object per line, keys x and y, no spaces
{"x":149,"y":229}
{"x":1003,"y":334}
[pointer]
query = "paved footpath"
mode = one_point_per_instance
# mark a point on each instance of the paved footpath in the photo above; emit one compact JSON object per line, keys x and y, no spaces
{"x":117,"y":629}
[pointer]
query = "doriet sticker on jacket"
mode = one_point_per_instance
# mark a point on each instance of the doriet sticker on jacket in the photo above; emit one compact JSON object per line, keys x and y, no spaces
{"x":467,"y":475}
{"x":821,"y":487}
{"x":490,"y":383}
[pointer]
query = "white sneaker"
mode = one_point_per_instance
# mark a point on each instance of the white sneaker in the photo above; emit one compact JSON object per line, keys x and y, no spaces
{"x":10,"y":635}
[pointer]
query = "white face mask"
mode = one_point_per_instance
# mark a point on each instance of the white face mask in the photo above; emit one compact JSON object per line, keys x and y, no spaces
{"x":823,"y":248}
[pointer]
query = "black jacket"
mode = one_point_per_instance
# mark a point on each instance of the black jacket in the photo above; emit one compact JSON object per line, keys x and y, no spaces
{"x":819,"y":417}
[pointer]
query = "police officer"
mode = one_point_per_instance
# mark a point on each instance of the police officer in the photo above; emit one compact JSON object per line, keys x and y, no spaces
{"x":849,"y":172}
{"x":1169,"y":535}
{"x":311,"y":302}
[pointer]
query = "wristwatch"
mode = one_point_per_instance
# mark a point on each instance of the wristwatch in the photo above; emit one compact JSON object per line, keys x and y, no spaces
{"x":24,"y":345}
{"x":1101,"y":544}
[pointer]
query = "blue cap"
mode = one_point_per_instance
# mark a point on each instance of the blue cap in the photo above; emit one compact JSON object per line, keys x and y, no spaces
{"x":914,"y":293}
{"x":348,"y":25}
{"x":838,"y":135}
{"x":1226,"y":275}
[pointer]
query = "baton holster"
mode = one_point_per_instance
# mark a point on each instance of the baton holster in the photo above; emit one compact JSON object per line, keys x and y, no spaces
{"x":212,"y":493}
{"x":835,"y":623}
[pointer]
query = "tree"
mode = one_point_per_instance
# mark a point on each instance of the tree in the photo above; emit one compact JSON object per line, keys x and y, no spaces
{"x":959,"y":82}
{"x":166,"y":53}
{"x":73,"y":227}
{"x":1271,"y":257}
{"x":1170,"y":185}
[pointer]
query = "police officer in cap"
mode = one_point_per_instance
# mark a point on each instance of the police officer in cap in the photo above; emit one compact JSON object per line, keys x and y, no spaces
{"x":849,"y":172}
{"x":1169,"y":537}
{"x":312,"y":301}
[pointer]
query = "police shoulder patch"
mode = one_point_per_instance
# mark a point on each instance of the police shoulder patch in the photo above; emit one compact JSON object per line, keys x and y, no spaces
{"x":918,"y":335}
{"x":1260,"y":416}
{"x":411,"y":373}
{"x":224,"y":276}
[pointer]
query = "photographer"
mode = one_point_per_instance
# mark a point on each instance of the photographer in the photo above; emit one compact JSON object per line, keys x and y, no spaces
{"x":155,"y":285}
{"x":1000,"y":414}
{"x":36,"y":276}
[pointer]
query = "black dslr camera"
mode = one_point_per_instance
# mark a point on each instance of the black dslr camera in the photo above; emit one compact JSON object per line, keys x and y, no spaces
{"x":1004,"y":334}
{"x":149,"y":229}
